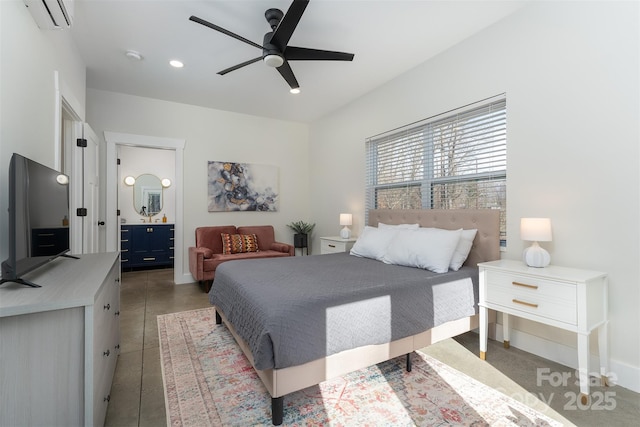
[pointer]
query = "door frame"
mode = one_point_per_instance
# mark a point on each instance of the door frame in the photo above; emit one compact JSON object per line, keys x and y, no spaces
{"x":113,"y":139}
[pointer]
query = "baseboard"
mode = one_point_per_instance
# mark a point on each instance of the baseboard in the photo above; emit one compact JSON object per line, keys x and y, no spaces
{"x":184,"y":279}
{"x":627,"y":376}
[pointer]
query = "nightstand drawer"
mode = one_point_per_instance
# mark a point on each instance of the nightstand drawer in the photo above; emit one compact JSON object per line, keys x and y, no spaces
{"x":538,"y":305}
{"x":334,"y":245}
{"x":531,"y":286}
{"x":539,"y":297}
{"x":331,"y":247}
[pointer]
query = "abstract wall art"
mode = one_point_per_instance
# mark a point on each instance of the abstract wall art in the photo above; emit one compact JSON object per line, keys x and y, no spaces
{"x":242,"y":187}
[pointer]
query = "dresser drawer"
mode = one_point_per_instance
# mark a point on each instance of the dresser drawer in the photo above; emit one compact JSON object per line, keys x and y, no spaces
{"x":535,"y":296}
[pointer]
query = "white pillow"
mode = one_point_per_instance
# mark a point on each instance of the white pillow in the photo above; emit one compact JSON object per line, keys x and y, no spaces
{"x":399,"y":226}
{"x":427,"y":248}
{"x":462,"y":250}
{"x":373,"y":242}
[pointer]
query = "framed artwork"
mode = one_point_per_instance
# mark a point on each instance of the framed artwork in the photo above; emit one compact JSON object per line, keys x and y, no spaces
{"x":242,"y":187}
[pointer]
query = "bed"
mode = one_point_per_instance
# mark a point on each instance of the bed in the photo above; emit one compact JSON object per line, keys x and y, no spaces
{"x":294,"y":317}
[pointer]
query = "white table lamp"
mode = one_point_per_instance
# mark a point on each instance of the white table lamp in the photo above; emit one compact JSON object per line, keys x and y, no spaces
{"x":535,"y":230}
{"x":346,"y":219}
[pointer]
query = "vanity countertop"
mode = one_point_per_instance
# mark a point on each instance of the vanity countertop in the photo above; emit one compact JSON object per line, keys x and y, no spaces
{"x":147,"y":223}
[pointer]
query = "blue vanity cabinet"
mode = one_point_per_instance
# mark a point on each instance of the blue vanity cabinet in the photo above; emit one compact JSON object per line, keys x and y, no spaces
{"x":146,"y":245}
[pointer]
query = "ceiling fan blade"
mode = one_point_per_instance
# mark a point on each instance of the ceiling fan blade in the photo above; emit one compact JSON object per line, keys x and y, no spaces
{"x":235,"y":67}
{"x":287,"y":73}
{"x":293,"y":53}
{"x":282,"y":34}
{"x":223,"y":31}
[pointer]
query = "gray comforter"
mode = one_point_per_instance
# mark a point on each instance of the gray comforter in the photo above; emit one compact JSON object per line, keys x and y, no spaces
{"x":296,"y":309}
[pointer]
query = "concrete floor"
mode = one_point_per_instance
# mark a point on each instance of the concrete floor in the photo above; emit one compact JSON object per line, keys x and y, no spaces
{"x":137,"y":396}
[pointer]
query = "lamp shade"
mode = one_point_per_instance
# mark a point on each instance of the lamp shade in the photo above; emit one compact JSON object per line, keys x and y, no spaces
{"x":535,"y":229}
{"x":346,"y":219}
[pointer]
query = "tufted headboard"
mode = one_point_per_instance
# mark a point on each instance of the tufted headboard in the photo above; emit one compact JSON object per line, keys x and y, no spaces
{"x":486,"y":245}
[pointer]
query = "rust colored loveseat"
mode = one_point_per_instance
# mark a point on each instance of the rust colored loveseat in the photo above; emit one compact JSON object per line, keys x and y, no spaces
{"x":208,"y":254}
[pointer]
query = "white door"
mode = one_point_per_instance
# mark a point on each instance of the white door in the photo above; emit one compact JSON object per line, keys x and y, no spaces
{"x":85,"y":190}
{"x":91,"y":234}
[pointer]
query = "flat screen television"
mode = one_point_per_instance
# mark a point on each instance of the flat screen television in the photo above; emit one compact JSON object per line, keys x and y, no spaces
{"x":38,"y":218}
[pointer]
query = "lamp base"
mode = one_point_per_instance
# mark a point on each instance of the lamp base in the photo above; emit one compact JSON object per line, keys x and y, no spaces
{"x":345,"y":233}
{"x":536,"y":256}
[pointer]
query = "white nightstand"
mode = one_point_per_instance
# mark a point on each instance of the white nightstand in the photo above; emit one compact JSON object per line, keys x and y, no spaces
{"x":335,"y":244}
{"x":567,"y":298}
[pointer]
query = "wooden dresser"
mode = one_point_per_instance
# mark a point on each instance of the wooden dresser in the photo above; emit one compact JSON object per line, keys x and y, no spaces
{"x":59,"y":343}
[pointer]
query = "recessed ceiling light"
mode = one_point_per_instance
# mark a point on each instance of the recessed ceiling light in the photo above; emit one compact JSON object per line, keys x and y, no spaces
{"x":175,"y":63}
{"x":133,"y":55}
{"x":295,"y":90}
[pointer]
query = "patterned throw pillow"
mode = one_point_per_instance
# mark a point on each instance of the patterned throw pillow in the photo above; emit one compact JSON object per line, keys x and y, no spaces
{"x":239,"y":243}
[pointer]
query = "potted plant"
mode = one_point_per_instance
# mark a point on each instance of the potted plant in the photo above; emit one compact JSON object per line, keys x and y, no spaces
{"x":302,"y":230}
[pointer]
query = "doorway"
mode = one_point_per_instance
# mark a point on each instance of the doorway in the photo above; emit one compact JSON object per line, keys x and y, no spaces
{"x":115,"y":139}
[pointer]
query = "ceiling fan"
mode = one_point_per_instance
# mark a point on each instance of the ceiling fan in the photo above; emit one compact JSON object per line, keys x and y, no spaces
{"x":275,"y":50}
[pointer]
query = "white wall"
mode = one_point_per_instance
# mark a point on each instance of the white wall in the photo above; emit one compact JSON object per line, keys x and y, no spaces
{"x":136,"y":161}
{"x":214,"y":135}
{"x":571,"y":74}
{"x":30,"y":58}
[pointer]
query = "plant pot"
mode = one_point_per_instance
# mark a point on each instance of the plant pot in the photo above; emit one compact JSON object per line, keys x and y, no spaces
{"x":300,"y":240}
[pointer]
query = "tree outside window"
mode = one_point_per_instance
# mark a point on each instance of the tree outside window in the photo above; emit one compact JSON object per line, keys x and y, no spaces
{"x":453,"y":162}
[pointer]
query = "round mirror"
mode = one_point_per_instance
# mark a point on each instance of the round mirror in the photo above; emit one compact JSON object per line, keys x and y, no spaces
{"x":147,"y":195}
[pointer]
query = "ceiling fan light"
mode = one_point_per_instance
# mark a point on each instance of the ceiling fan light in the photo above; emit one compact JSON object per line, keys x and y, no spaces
{"x":295,"y":90}
{"x":273,"y":60}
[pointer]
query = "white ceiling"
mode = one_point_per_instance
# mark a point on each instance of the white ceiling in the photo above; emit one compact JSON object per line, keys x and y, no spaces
{"x":387,"y":37}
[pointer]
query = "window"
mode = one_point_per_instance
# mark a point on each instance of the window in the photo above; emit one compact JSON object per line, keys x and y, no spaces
{"x":456,"y":160}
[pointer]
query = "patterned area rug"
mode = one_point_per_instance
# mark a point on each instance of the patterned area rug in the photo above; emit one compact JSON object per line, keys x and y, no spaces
{"x":209,"y":382}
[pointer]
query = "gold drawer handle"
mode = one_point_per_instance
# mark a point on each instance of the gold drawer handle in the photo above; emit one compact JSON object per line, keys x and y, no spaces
{"x":528,"y":304}
{"x":524,"y":285}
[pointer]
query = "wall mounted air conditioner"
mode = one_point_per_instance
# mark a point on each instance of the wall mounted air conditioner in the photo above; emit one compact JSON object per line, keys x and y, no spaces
{"x":51,"y":14}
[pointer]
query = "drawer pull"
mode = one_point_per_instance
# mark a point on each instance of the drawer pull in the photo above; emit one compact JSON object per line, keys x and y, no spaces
{"x":528,"y":304}
{"x":332,"y":246}
{"x":525,"y":285}
{"x":45,"y":234}
{"x":148,"y":259}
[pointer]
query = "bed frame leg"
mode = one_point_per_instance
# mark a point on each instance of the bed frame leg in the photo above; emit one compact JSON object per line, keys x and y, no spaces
{"x":218,"y":318}
{"x":277,"y":410}
{"x":408,"y":362}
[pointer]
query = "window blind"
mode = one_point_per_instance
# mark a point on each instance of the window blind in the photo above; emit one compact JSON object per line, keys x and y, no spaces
{"x":455,"y":160}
